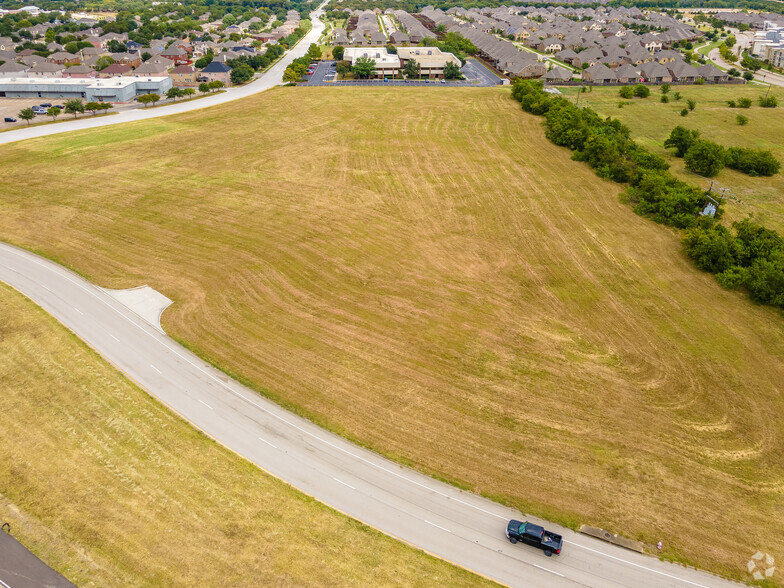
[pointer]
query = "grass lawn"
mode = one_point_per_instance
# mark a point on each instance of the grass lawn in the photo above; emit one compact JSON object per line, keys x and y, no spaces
{"x":651,"y":122}
{"x":421,"y":270}
{"x":111,"y":489}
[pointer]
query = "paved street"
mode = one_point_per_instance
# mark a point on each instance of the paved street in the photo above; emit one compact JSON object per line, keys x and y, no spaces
{"x":21,"y":569}
{"x":452,"y":524}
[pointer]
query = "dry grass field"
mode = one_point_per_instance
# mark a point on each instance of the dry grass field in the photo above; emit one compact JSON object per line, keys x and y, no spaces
{"x":651,"y":122}
{"x":421,"y":270}
{"x":112,"y":489}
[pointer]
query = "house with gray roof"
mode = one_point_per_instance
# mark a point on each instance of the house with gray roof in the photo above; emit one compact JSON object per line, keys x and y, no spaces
{"x":599,"y":74}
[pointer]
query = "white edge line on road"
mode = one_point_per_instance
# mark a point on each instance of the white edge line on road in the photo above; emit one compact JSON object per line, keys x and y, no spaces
{"x":204,"y":403}
{"x":77,"y":310}
{"x":156,"y":369}
{"x":4,"y":585}
{"x":342,"y":482}
{"x":267,"y":442}
{"x":547,"y":570}
{"x":437,"y":526}
{"x":51,"y":266}
{"x":631,"y":563}
{"x":113,"y":337}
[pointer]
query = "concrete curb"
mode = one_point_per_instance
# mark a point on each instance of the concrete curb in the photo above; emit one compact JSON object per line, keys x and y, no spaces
{"x":613,"y":538}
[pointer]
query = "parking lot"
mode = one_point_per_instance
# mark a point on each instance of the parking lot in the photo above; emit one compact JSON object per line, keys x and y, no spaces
{"x":10,"y":107}
{"x":475,"y":73}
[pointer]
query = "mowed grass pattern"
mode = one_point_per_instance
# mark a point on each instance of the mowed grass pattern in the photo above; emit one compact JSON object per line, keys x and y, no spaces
{"x":421,"y":270}
{"x":112,"y":489}
{"x":651,"y":122}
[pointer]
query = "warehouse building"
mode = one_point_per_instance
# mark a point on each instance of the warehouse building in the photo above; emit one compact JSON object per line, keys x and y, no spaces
{"x":119,"y":89}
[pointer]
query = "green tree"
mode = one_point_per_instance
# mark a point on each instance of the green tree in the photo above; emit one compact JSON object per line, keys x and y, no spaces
{"x":229,"y":20}
{"x":744,"y":102}
{"x":452,"y":72}
{"x":691,"y":103}
{"x":642,"y":91}
{"x":93,"y":107}
{"x":314,"y":52}
{"x":27,"y":114}
{"x":337,"y":52}
{"x":241,"y":73}
{"x":204,"y":61}
{"x":106,"y":106}
{"x":748,"y":76}
{"x":216,"y":85}
{"x":412,"y":68}
{"x":665,"y":88}
{"x":705,"y":158}
{"x":54,"y":112}
{"x":290,"y":75}
{"x":103,"y":62}
{"x":114,"y":46}
{"x":363,"y":67}
{"x":682,"y":139}
{"x":742,"y":120}
{"x":146,"y":56}
{"x":713,"y":250}
{"x":173,"y":93}
{"x":626,"y":92}
{"x":74,"y":106}
{"x":189,"y":92}
{"x":147,"y":99}
{"x":768,"y":101}
{"x":204,"y":87}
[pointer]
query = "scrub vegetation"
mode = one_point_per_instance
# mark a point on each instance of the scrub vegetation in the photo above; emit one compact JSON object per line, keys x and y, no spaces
{"x":425,"y":272}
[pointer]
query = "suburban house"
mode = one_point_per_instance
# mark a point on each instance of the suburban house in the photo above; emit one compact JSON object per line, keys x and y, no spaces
{"x":150,"y":69}
{"x":46,"y":69}
{"x":398,"y":38}
{"x":184,"y":75}
{"x":711,"y":73}
{"x":63,"y":57}
{"x":115,"y":69}
{"x":627,"y":74}
{"x":216,"y":72}
{"x":6,"y":44}
{"x":127,"y":59}
{"x":654,"y":72}
{"x":557,"y":74}
{"x":12,"y":69}
{"x":176,"y":54}
{"x":599,"y":74}
{"x":79,"y":71}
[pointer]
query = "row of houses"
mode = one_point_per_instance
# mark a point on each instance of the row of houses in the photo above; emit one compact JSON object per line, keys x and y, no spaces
{"x":653,"y":73}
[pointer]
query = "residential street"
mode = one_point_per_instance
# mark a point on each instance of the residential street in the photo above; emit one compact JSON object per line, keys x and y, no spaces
{"x":744,"y":40}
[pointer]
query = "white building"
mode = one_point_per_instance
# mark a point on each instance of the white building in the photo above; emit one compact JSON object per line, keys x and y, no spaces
{"x":432,"y":60}
{"x":119,"y":89}
{"x":387,"y":64}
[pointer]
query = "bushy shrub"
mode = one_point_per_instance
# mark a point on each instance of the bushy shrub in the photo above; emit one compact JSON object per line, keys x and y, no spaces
{"x":742,"y":120}
{"x":642,"y":91}
{"x":692,"y":104}
{"x":744,"y":102}
{"x":705,"y":158}
{"x":731,"y":103}
{"x":665,"y":199}
{"x":713,"y":249}
{"x":685,"y":112}
{"x":768,"y":102}
{"x":754,"y":162}
{"x":681,"y":138}
{"x":626,"y":92}
{"x":665,"y":99}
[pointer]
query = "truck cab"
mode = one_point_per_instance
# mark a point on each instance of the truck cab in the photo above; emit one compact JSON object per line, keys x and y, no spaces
{"x":534,"y":535}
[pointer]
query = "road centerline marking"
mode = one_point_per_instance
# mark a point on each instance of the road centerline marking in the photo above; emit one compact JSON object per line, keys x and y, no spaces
{"x":156,"y":369}
{"x":437,"y":526}
{"x":204,"y":403}
{"x":342,"y":482}
{"x":262,"y":439}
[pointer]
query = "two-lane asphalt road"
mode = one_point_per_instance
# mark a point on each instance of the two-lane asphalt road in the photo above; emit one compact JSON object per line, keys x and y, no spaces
{"x":271,"y":78}
{"x":452,"y":524}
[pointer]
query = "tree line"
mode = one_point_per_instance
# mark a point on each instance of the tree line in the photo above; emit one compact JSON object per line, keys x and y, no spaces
{"x":751,"y":259}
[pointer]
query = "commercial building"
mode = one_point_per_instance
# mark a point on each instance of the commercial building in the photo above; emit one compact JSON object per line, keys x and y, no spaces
{"x":432,"y":60}
{"x":119,"y":89}
{"x":387,"y":65}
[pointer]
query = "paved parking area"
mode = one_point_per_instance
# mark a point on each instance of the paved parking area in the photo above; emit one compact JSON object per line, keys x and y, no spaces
{"x":10,"y":107}
{"x":475,"y":73}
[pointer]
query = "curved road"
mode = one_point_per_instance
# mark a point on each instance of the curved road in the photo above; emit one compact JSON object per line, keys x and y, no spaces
{"x":273,"y":77}
{"x":455,"y":525}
